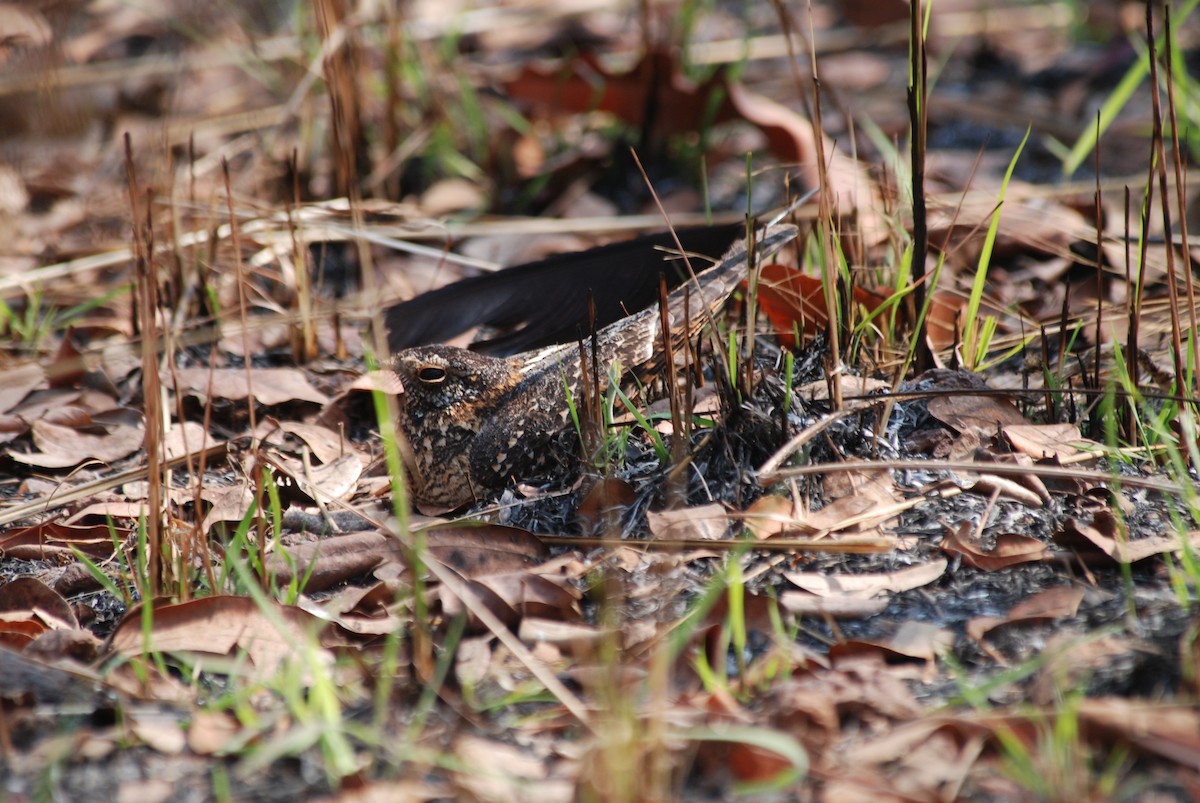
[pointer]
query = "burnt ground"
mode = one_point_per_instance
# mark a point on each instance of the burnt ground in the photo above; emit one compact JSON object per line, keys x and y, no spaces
{"x":1015,"y":620}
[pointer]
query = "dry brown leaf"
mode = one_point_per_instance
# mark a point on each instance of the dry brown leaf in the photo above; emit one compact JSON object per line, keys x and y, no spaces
{"x":1104,"y":536}
{"x":19,"y":629}
{"x":802,"y":603}
{"x":1074,"y":659}
{"x":818,"y":390}
{"x":1011,"y":549}
{"x":160,"y":731}
{"x":220,"y":625}
{"x":1171,"y":731}
{"x":326,"y":444}
{"x":22,"y":28}
{"x":1050,"y":604}
{"x":52,"y":645}
{"x":1041,"y":441}
{"x":338,"y":559}
{"x":229,"y":504}
{"x":495,"y":772}
{"x":862,"y":499}
{"x":512,"y":596}
{"x":775,"y":515}
{"x":703,"y":523}
{"x":964,"y":412}
{"x":270,"y":386}
{"x":17,"y":383}
{"x":325,"y":482}
{"x":148,"y":790}
{"x":404,"y":791}
{"x":211,"y":732}
{"x":188,"y":437}
{"x":30,"y":595}
{"x":603,"y":505}
{"x":572,"y":636}
{"x":53,"y":538}
{"x":64,"y":447}
{"x":116,"y":510}
{"x":478,"y":549}
{"x":1007,"y":488}
{"x":865,"y":586}
{"x":12,"y":427}
{"x":919,"y":640}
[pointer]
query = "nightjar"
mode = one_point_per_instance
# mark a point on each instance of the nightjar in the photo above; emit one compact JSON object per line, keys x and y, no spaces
{"x":473,"y":423}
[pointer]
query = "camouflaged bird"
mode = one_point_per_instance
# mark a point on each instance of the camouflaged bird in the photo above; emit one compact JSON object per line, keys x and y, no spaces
{"x":475,"y":423}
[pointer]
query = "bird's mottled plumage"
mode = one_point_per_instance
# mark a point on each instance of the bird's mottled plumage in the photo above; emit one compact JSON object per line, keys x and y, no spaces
{"x":475,"y":423}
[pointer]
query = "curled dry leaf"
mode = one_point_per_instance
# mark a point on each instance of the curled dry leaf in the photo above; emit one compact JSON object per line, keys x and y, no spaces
{"x":223,"y":625}
{"x":917,"y":640}
{"x":1052,"y":603}
{"x":187,"y":438}
{"x":1007,"y":488}
{"x":209,"y":732}
{"x":1041,"y":441}
{"x":514,"y":595}
{"x":802,"y":603}
{"x":23,"y":28}
{"x":326,"y":444}
{"x":159,"y":730}
{"x":1104,"y":536}
{"x":501,"y":773}
{"x":41,"y":541}
{"x":1011,"y":549}
{"x":680,"y":105}
{"x":1169,"y":730}
{"x":325,"y":482}
{"x":53,"y":645}
{"x":775,"y":515}
{"x":229,"y":504}
{"x":862,"y":499}
{"x":865,"y":586}
{"x":567,"y":635}
{"x":795,"y":304}
{"x":28,"y":594}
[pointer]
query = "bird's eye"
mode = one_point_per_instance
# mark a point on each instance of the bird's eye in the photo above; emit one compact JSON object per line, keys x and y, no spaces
{"x":431,"y":374}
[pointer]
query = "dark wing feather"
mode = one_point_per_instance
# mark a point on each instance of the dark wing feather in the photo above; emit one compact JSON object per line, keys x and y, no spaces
{"x":636,"y":341}
{"x":546,"y":302}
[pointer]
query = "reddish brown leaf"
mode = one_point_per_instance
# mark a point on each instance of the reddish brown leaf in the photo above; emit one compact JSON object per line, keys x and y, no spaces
{"x":1052,"y":603}
{"x":1104,"y":536}
{"x":912,"y":640}
{"x":52,"y":538}
{"x":338,"y":559}
{"x":1011,"y":549}
{"x":1171,"y":731}
{"x":28,"y":594}
{"x":222,"y":625}
{"x":481,"y":549}
{"x":601,"y":508}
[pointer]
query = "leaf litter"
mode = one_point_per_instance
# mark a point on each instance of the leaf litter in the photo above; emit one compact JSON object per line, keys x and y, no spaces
{"x":702,"y":649}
